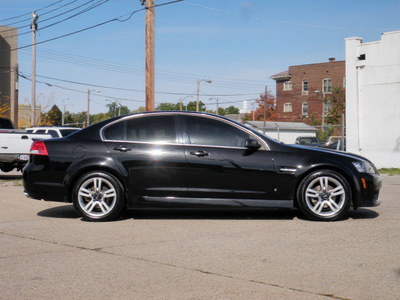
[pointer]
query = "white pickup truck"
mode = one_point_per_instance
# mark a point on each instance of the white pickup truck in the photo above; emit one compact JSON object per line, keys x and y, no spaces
{"x":15,"y":145}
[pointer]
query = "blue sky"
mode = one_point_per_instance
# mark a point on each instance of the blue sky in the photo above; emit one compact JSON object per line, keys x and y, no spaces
{"x":236,"y":44}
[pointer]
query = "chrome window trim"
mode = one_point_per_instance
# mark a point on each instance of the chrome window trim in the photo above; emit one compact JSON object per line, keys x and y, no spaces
{"x":238,"y":126}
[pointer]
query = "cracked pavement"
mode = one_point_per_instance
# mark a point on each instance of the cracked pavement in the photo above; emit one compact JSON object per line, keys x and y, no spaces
{"x":47,"y":251}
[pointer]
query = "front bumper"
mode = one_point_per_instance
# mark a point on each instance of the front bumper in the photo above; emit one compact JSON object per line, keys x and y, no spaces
{"x":370,"y":185}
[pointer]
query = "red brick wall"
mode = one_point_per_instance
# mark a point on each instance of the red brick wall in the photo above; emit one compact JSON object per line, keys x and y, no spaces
{"x":314,"y":74}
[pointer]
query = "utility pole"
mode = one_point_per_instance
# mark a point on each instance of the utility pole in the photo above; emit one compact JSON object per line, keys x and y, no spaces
{"x":63,"y":113}
{"x":149,"y":54}
{"x":217,"y":105}
{"x":88,"y":108}
{"x":34,"y":26}
{"x":265,"y":107}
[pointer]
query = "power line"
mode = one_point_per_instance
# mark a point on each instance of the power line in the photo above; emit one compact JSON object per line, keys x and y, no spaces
{"x":45,"y":13}
{"x":94,"y":26}
{"x":123,"y":68}
{"x":25,"y":14}
{"x":142,"y":91}
{"x":100,"y":2}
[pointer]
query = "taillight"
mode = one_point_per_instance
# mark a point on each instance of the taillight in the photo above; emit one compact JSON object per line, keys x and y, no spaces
{"x":38,"y":148}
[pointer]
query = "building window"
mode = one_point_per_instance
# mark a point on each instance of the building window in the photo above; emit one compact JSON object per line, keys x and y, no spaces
{"x":327,"y":107}
{"x":304,"y":109}
{"x":287,"y":86}
{"x":327,"y":86}
{"x":305,"y":88}
{"x":287,"y":107}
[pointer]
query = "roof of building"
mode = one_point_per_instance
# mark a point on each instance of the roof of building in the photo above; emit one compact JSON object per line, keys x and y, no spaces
{"x":281,"y":75}
{"x":283,"y":126}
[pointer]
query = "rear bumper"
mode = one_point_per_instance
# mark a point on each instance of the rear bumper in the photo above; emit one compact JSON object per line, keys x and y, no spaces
{"x":38,"y":185}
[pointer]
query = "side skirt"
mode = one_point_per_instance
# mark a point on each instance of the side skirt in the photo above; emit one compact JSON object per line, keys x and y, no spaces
{"x":165,"y":201}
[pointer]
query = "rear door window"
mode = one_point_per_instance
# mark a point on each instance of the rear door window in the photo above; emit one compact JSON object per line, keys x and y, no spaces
{"x":149,"y":129}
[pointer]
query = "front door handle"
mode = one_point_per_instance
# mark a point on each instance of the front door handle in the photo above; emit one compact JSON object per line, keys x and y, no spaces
{"x":199,"y":153}
{"x":122,"y":148}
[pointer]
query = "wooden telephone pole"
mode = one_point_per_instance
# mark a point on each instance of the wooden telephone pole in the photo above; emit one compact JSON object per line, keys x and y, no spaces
{"x":150,"y":55}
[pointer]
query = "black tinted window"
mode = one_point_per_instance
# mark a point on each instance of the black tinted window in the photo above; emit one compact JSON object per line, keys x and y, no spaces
{"x":204,"y":131}
{"x":53,"y":133}
{"x":159,"y":129}
{"x":65,"y":132}
{"x":115,"y":132}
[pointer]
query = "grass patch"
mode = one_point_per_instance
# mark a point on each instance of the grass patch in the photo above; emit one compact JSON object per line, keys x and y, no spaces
{"x":390,"y":171}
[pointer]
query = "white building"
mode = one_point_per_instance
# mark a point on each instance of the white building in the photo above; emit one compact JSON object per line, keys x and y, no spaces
{"x":373,"y":99}
{"x":245,"y":109}
{"x":285,"y":132}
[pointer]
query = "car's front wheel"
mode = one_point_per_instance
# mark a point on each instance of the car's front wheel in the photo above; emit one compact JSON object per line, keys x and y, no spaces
{"x":98,"y":196}
{"x":324,"y":195}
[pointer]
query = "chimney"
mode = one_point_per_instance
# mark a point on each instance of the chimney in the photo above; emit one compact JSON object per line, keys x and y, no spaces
{"x":331,"y":59}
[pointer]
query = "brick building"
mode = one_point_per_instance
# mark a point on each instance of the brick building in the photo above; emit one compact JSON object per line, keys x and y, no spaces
{"x":9,"y":73}
{"x":300,"y":91}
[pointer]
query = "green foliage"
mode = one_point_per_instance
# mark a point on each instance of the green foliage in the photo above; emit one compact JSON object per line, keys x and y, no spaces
{"x":53,"y":117}
{"x":140,"y":109}
{"x":231,"y":110}
{"x":192,"y":106}
{"x":337,"y":99}
{"x":115,"y":109}
{"x":323,"y":135}
{"x":390,"y":171}
{"x":168,"y":106}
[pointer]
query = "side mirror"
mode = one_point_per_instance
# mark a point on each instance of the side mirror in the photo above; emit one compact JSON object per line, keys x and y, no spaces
{"x":252,"y":144}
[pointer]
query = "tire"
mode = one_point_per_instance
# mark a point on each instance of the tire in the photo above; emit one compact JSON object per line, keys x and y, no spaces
{"x":7,"y":168}
{"x":98,"y":196}
{"x":324,"y":196}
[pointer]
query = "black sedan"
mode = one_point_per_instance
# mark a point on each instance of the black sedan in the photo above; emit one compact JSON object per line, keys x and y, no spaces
{"x":197,"y":160}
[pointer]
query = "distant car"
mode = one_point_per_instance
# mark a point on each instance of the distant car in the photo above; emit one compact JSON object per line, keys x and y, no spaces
{"x":308,"y":141}
{"x":335,"y":145}
{"x":194,"y":160}
{"x":333,"y":139}
{"x":53,"y":130}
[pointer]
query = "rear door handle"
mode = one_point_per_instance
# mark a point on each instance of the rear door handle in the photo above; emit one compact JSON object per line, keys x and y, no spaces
{"x":122,"y":148}
{"x":199,"y":153}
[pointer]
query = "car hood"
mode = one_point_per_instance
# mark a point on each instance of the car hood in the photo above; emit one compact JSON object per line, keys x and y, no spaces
{"x":330,"y":151}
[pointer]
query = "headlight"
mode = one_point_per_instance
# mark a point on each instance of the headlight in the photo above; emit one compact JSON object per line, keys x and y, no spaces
{"x":364,"y":167}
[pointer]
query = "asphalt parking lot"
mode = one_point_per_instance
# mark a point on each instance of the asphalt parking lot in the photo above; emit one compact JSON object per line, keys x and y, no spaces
{"x":48,"y":252}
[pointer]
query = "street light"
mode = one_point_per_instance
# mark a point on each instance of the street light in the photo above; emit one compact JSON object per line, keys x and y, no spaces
{"x":114,"y":103}
{"x":217,"y":104}
{"x":88,"y":105}
{"x":181,"y":100}
{"x":198,"y":90}
{"x":63,"y":112}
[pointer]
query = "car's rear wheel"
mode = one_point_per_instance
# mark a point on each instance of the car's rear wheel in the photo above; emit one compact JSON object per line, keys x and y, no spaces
{"x":324,"y":195}
{"x":98,"y":196}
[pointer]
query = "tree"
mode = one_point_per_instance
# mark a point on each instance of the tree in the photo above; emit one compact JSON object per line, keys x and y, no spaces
{"x":191,"y":106}
{"x":337,"y":98}
{"x":4,"y":110}
{"x":231,"y":110}
{"x":139,"y":109}
{"x":115,"y":109}
{"x":168,"y":106}
{"x":270,"y":108}
{"x":53,"y":117}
